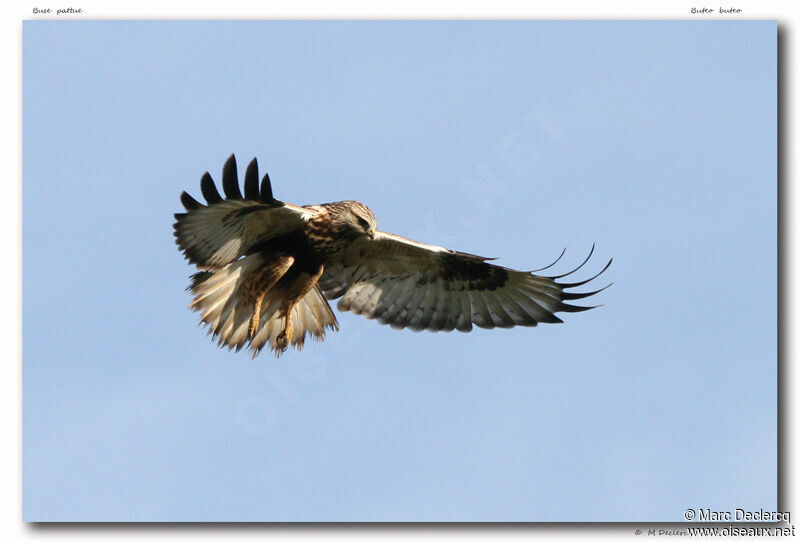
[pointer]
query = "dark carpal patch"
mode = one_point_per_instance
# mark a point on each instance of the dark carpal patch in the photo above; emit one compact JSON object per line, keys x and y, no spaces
{"x":481,"y":275}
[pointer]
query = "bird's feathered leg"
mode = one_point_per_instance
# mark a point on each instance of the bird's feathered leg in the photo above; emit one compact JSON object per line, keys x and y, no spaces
{"x":256,"y":286}
{"x":253,"y":326}
{"x":299,"y":288}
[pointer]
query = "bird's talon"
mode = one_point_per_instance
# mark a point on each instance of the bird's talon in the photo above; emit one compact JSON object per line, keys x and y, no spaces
{"x":282,"y":341}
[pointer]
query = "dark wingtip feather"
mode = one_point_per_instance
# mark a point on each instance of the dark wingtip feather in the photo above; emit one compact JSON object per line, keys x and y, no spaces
{"x":266,"y":189}
{"x":572,"y":296}
{"x":581,"y":265}
{"x":189,"y":202}
{"x":251,"y":181}
{"x":209,"y":190}
{"x":581,"y":283}
{"x":230,"y":179}
{"x":552,"y":264}
{"x":550,"y":318}
{"x":565,"y":307}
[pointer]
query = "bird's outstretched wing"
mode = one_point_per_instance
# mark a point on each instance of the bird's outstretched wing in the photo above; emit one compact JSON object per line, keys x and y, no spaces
{"x":214,"y":235}
{"x":407,"y":284}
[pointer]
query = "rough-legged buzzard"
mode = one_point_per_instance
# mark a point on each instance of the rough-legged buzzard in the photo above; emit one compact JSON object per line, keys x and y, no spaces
{"x":264,"y":266}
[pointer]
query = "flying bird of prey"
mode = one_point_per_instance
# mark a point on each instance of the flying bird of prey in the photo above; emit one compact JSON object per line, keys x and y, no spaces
{"x":264,"y":266}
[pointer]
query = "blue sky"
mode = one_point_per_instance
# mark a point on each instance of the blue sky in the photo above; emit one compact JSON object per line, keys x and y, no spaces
{"x":657,"y":141}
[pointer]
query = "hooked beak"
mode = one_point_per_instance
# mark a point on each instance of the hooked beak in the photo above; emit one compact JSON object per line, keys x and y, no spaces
{"x":371,"y":233}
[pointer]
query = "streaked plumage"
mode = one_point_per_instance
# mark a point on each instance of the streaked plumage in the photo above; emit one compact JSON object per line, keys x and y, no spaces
{"x":265,"y":264}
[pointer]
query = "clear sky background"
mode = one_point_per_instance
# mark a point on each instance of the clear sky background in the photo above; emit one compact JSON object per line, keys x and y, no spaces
{"x":657,"y":141}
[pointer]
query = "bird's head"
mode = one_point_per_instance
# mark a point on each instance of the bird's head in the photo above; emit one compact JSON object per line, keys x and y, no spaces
{"x":356,"y":218}
{"x":361,"y":219}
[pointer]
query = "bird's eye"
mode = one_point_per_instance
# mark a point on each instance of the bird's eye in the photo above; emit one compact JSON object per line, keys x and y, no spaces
{"x":363,"y":223}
